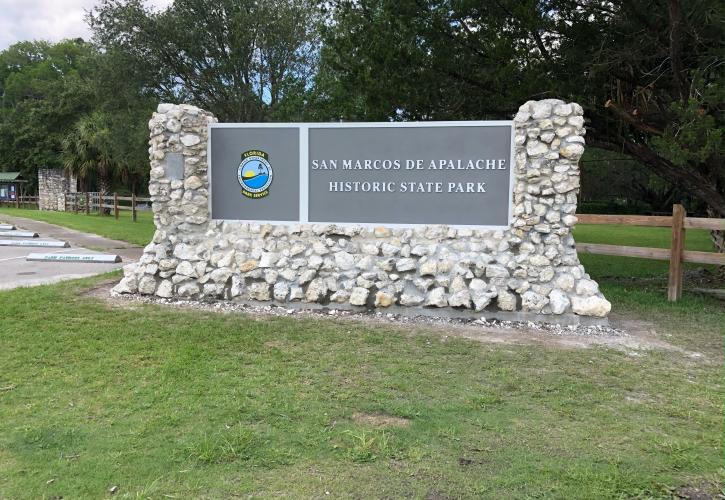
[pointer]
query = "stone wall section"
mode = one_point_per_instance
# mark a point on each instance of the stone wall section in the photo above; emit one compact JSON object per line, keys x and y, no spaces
{"x":532,"y":267}
{"x":53,"y":183}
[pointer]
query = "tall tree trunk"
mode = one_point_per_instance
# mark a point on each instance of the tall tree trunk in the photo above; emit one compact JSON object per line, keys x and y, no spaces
{"x":717,"y":237}
{"x":104,"y":186}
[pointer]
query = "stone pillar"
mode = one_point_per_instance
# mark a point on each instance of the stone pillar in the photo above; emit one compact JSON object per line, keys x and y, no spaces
{"x":549,"y":143}
{"x":532,"y":267}
{"x":52,"y":185}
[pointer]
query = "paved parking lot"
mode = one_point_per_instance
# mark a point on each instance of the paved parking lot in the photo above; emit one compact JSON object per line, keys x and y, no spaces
{"x":16,"y":271}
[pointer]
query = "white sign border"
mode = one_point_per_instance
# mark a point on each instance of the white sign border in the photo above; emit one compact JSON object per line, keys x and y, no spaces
{"x":304,"y":129}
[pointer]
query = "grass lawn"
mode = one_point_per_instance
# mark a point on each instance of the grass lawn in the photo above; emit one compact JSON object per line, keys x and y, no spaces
{"x":124,"y":229}
{"x":189,"y":404}
{"x":168,"y":403}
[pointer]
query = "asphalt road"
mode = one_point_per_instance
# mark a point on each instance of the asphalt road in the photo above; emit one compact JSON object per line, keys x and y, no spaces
{"x":15,"y":271}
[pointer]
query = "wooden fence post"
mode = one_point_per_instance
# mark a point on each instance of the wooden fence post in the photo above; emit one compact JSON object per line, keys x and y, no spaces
{"x":115,"y":204}
{"x":133,"y":206}
{"x":674,"y":285}
{"x":101,"y":202}
{"x":88,"y":204}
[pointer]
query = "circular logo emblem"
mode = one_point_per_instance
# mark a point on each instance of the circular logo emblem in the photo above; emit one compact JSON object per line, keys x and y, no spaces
{"x":255,"y":174}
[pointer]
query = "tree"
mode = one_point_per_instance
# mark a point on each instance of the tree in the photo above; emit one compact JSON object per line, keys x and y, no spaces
{"x":44,"y":89}
{"x":244,"y":60}
{"x":648,"y":72}
{"x":87,"y":152}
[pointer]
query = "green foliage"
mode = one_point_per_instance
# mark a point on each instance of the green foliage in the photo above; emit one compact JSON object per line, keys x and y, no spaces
{"x":409,"y":60}
{"x":694,"y":136}
{"x":69,"y":105}
{"x":242,"y":60}
{"x":648,"y":72}
{"x":44,"y":90}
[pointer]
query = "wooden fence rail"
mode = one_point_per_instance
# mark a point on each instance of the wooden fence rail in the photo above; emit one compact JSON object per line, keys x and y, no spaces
{"x":98,"y":202}
{"x":676,"y":254}
{"x":21,"y":201}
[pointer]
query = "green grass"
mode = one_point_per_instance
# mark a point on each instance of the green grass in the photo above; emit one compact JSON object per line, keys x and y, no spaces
{"x":187,"y":404}
{"x":123,"y":229}
{"x":605,"y":267}
{"x":160,"y":402}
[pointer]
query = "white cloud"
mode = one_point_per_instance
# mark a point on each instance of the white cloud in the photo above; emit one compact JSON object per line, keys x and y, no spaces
{"x":51,"y":20}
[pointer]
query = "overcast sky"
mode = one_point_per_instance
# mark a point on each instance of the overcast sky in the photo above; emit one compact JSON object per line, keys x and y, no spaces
{"x":47,"y":19}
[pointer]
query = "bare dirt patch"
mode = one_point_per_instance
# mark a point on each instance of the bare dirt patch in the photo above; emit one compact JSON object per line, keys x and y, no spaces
{"x":380,"y":420}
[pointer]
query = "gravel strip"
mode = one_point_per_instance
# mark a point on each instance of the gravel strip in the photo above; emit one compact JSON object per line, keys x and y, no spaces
{"x":399,"y":319}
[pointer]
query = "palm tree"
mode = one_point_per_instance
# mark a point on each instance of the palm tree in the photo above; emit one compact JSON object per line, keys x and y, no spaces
{"x":87,"y":152}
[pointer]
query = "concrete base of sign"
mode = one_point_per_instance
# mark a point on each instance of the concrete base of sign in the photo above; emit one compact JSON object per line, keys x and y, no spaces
{"x":444,"y":313}
{"x":18,"y":234}
{"x":530,"y":267}
{"x":74,"y":258}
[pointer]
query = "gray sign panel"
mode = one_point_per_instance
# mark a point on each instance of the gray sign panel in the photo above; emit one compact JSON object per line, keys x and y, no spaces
{"x":454,"y":173}
{"x":410,"y":175}
{"x":231,"y":198}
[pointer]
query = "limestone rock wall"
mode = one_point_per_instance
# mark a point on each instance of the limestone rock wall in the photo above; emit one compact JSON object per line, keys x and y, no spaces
{"x":53,"y":184}
{"x":531,"y":267}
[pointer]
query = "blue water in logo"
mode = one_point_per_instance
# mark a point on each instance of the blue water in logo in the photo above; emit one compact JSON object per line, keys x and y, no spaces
{"x":256,"y":182}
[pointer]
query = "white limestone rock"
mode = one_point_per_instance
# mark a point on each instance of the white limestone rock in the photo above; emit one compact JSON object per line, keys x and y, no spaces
{"x":536,"y":148}
{"x":259,"y":291}
{"x":506,"y":301}
{"x":496,"y":271}
{"x":126,"y":285}
{"x":586,"y":288}
{"x":532,"y":301}
{"x":147,"y":285}
{"x":221,"y":275}
{"x":165,"y":289}
{"x":359,"y":296}
{"x":541,"y":109}
{"x":188,"y":289}
{"x":296,"y":293}
{"x":344,"y":261}
{"x":316,"y":290}
{"x":189,"y":140}
{"x":193,"y":182}
{"x":461,"y":298}
{"x":280,"y":291}
{"x":596,"y":305}
{"x":573,"y":151}
{"x":558,"y":301}
{"x":411,"y":299}
{"x":405,"y":264}
{"x":237,"y":287}
{"x":436,"y":297}
{"x":384,"y":299}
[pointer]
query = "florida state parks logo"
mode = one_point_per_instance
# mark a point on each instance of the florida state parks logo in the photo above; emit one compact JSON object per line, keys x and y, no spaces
{"x":255,"y":174}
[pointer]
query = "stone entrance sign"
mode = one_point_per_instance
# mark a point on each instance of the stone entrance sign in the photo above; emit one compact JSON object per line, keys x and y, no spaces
{"x":397,"y":174}
{"x":493,"y":239}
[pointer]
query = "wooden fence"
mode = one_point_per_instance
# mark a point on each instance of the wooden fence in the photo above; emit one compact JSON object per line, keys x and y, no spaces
{"x":87,"y":202}
{"x":676,"y":254}
{"x":21,"y":202}
{"x":100,"y":202}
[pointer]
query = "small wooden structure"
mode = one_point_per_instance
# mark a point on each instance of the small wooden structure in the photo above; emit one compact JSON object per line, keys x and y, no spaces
{"x":11,"y":184}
